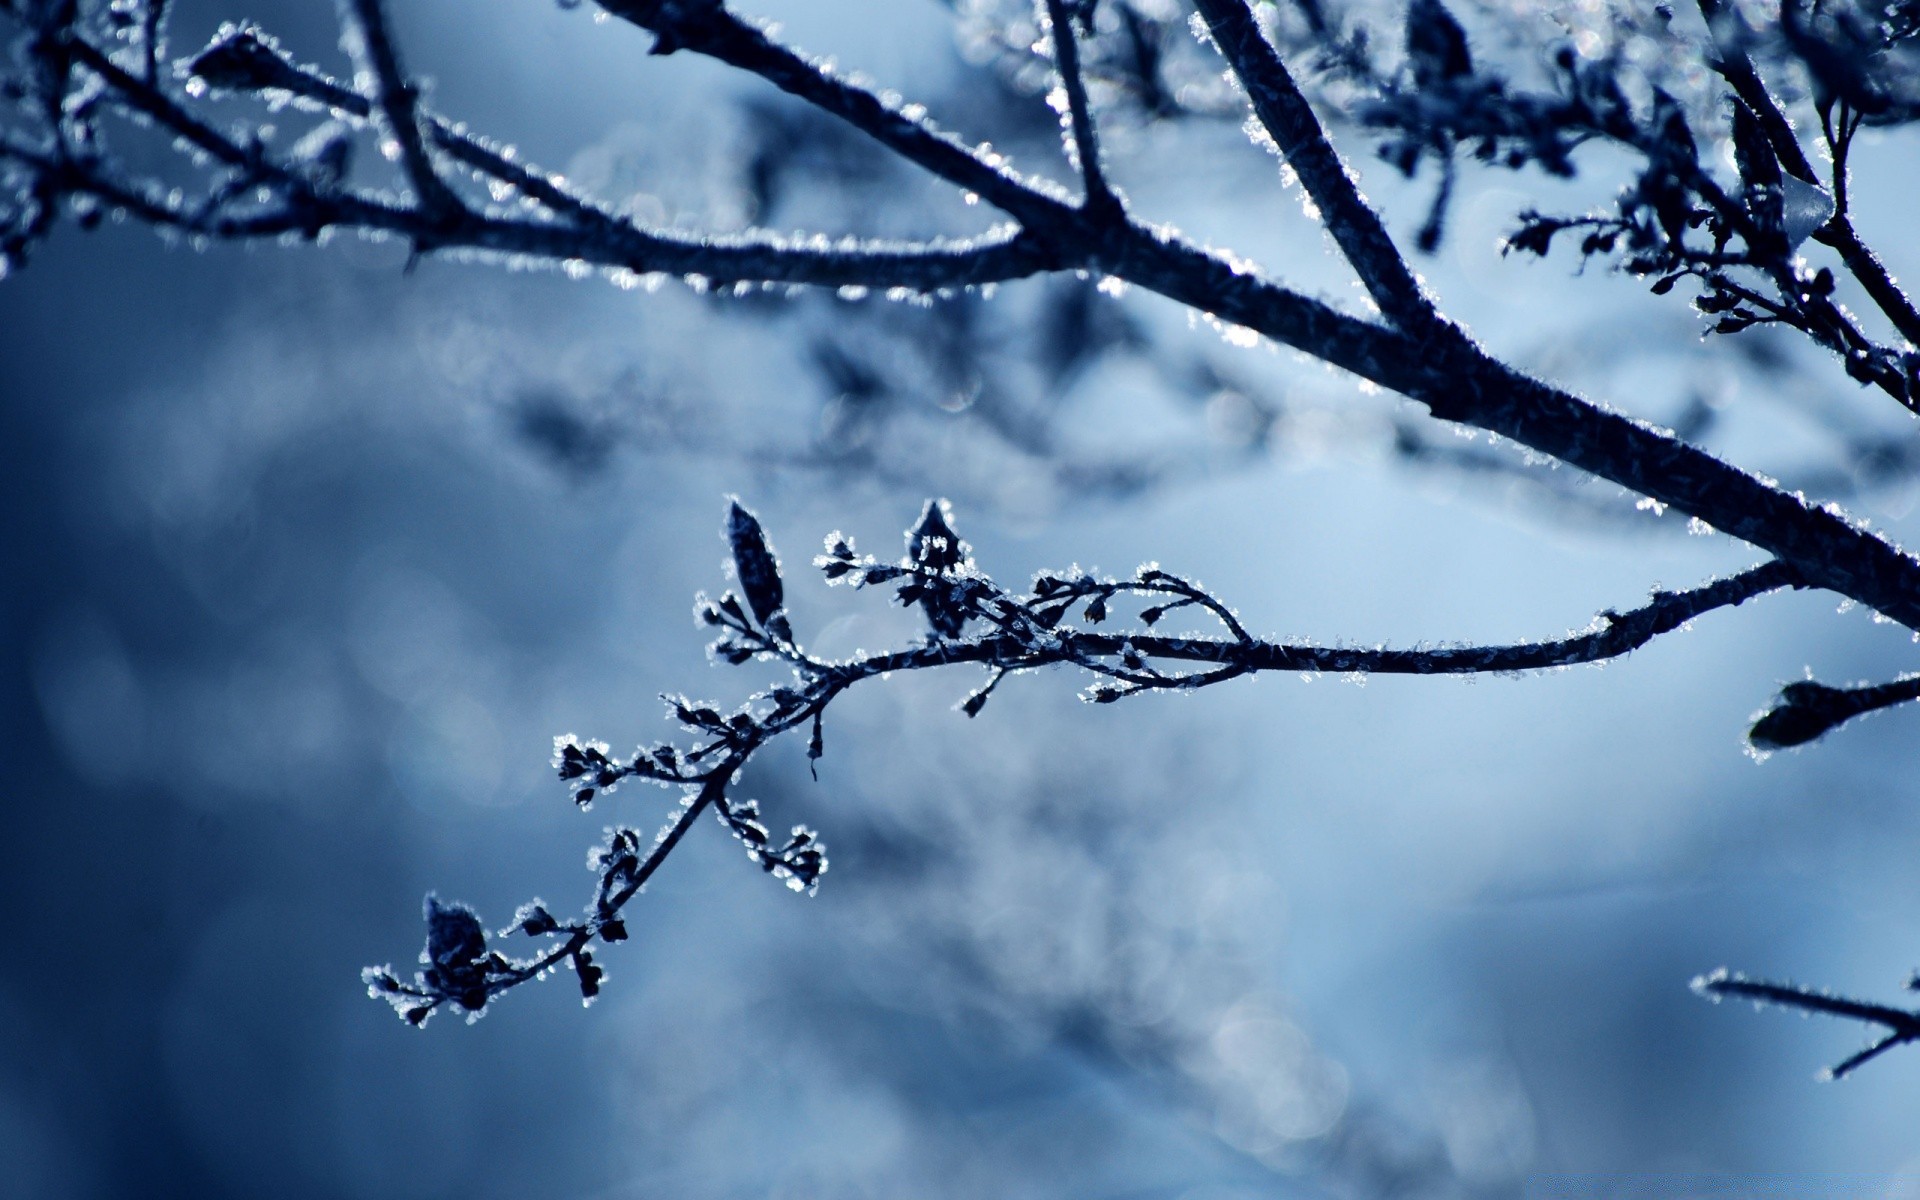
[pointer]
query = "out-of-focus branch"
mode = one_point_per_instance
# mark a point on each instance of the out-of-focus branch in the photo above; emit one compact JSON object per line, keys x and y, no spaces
{"x":1732,"y":62}
{"x":396,"y":103}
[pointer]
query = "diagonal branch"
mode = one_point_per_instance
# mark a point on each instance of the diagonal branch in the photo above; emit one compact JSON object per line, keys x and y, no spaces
{"x":396,"y":101}
{"x":1730,"y":60}
{"x":1466,"y":385}
{"x":241,"y":62}
{"x":1840,"y":234}
{"x":1733,"y":64}
{"x":1288,"y":118}
{"x":706,"y":27}
{"x":607,"y":243}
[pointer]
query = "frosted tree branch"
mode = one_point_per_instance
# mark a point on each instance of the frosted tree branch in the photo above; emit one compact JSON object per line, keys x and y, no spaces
{"x":1456,"y":379}
{"x":1286,"y":116}
{"x":1807,"y":710}
{"x":972,"y":620}
{"x":708,"y":28}
{"x":396,"y":102}
{"x":1902,"y":1026}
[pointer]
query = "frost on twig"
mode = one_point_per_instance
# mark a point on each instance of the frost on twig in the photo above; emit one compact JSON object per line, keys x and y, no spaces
{"x":83,"y":93}
{"x":1807,"y":710}
{"x":1152,"y":631}
{"x":1901,"y":1025}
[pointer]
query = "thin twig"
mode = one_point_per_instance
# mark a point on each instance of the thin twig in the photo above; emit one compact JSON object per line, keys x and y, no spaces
{"x":396,"y":101}
{"x":1839,"y":232}
{"x":1902,"y":1026}
{"x":1734,"y":65}
{"x":1082,"y":142}
{"x":1731,"y":61}
{"x":706,"y":27}
{"x":763,"y":259}
{"x":1025,"y":632}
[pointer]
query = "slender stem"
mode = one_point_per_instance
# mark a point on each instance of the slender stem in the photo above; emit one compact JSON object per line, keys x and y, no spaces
{"x":153,"y":25}
{"x":706,"y":27}
{"x":579,"y":937}
{"x":1839,"y":233}
{"x":1736,"y":67}
{"x":1871,"y":1052}
{"x":1618,"y":634}
{"x":610,"y":243}
{"x":1733,"y":64}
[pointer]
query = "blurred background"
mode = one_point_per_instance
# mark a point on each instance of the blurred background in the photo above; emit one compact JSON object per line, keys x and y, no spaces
{"x":309,"y":557}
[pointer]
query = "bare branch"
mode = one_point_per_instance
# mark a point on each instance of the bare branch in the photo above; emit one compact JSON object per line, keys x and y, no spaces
{"x":396,"y":102}
{"x":608,"y":242}
{"x":1736,"y":67}
{"x":1052,"y":625}
{"x":1455,"y":379}
{"x":1839,"y":233}
{"x":1730,"y":59}
{"x":706,"y":27}
{"x":1289,"y":120}
{"x":1082,"y":142}
{"x":1902,"y":1026}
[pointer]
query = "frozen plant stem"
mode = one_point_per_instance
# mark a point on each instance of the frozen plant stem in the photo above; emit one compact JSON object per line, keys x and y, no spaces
{"x":1104,"y":627}
{"x":1901,"y":1025}
{"x":396,"y":100}
{"x":1287,"y":117}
